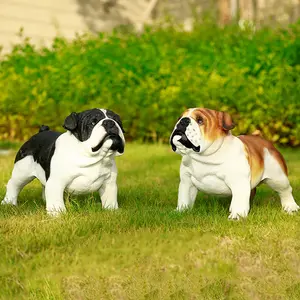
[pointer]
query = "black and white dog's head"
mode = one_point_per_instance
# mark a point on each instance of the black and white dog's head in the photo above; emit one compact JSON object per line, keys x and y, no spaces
{"x":98,"y":130}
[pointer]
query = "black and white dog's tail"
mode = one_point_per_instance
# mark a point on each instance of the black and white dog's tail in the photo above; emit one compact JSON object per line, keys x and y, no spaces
{"x":44,"y":128}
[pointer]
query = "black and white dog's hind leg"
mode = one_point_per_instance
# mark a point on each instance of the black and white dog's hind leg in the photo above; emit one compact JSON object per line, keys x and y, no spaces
{"x":31,"y":162}
{"x":21,"y":175}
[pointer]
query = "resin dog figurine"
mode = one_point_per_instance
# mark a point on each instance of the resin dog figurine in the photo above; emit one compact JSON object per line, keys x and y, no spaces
{"x":80,"y":160}
{"x":216,"y":162}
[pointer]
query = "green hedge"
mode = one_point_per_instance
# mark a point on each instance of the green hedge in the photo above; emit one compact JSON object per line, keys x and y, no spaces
{"x":149,"y":79}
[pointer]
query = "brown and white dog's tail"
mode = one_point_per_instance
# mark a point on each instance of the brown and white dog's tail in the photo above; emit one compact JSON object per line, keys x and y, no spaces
{"x":257,"y":132}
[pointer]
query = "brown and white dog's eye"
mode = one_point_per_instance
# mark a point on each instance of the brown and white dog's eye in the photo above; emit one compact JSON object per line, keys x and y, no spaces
{"x":199,"y":120}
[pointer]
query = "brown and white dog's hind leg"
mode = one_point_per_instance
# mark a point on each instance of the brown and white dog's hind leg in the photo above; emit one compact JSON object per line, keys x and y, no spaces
{"x":276,"y":178}
{"x":283,"y":188}
{"x":21,"y":175}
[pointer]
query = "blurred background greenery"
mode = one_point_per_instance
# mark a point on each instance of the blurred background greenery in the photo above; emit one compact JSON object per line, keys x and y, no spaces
{"x":150,"y":76}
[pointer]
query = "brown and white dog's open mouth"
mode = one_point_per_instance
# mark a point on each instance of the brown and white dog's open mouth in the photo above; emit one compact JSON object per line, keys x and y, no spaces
{"x":181,"y":132}
{"x":183,"y":140}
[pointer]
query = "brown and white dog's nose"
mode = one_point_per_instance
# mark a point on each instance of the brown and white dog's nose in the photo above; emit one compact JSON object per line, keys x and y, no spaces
{"x":185,"y":121}
{"x":183,"y":124}
{"x":110,"y":126}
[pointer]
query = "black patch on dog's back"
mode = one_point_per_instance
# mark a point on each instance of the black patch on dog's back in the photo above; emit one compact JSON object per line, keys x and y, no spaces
{"x":41,"y":146}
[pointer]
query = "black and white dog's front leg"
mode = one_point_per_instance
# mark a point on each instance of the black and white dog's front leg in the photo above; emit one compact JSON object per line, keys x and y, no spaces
{"x":109,"y":192}
{"x":187,"y":192}
{"x":54,"y":195}
{"x":240,"y":202}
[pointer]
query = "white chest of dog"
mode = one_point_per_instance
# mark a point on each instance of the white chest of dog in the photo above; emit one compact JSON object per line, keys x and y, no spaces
{"x":80,"y":160}
{"x":85,"y":173}
{"x":207,"y":178}
{"x":90,"y":179}
{"x":216,"y":162}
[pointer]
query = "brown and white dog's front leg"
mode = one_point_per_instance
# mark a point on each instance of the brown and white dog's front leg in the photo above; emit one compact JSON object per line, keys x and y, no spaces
{"x":187,"y":193}
{"x":240,"y":202}
{"x":54,"y":194}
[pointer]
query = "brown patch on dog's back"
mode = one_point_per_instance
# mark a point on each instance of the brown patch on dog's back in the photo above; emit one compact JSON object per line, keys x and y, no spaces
{"x":254,"y":148}
{"x":257,"y":132}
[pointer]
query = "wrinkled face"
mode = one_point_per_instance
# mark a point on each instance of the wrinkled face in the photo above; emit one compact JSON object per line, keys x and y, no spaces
{"x":98,"y":130}
{"x":198,"y":128}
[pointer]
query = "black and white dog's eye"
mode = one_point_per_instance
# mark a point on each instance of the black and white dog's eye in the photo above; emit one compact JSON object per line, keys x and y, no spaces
{"x":94,"y":122}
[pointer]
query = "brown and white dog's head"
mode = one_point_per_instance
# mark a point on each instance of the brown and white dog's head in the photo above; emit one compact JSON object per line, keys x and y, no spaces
{"x":198,"y":128}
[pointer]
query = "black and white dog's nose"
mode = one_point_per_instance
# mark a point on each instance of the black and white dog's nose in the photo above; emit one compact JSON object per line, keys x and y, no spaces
{"x":110,"y":126}
{"x":109,"y":123}
{"x":185,"y":121}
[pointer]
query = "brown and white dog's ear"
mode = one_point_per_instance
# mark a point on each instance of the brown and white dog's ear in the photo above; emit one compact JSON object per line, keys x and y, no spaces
{"x":71,"y":121}
{"x":226,"y":121}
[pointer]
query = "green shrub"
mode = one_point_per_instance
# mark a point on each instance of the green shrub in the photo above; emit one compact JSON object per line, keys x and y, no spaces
{"x":149,"y":79}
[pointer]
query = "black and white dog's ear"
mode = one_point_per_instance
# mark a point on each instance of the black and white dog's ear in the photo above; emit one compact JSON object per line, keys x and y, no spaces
{"x":116,"y":117}
{"x":71,"y":121}
{"x":118,"y":120}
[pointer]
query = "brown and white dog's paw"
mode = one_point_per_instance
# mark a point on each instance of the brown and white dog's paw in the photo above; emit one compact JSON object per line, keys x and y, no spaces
{"x":182,"y":208}
{"x":290,"y":207}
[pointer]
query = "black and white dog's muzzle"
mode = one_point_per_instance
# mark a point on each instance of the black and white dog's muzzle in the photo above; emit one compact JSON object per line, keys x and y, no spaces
{"x":112,"y":133}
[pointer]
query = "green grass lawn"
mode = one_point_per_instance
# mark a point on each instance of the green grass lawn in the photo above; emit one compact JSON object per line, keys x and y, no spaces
{"x":146,"y":250}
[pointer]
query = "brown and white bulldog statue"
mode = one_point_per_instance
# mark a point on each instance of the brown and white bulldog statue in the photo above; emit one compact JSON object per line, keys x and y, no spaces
{"x":216,"y":162}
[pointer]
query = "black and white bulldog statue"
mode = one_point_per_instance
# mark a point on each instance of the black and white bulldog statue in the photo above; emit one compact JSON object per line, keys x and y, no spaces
{"x":81,"y":160}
